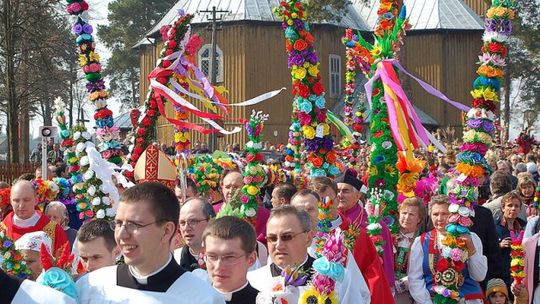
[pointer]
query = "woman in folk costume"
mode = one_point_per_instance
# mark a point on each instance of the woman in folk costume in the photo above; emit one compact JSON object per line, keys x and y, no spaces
{"x":531,"y":245}
{"x":509,"y":221}
{"x":428,"y":249}
{"x":412,"y":213}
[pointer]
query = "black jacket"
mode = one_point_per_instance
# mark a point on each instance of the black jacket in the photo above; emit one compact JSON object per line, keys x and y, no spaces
{"x":484,"y":227}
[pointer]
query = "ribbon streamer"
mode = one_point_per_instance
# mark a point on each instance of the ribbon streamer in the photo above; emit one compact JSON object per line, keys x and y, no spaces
{"x":405,"y":125}
{"x":340,"y":125}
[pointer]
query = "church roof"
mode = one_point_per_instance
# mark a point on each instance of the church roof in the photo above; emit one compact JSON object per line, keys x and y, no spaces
{"x":428,"y":14}
{"x":245,"y":10}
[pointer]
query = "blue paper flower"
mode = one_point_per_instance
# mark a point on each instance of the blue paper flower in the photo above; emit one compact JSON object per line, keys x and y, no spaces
{"x":305,"y":107}
{"x":330,"y":269}
{"x":60,"y":280}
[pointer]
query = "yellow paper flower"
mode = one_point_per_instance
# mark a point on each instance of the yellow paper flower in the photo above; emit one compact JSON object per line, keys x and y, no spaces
{"x":299,"y":73}
{"x":390,"y":169}
{"x":326,"y":129}
{"x":83,"y":60}
{"x":376,"y":50}
{"x":313,"y":70}
{"x":252,"y":190}
{"x":373,"y":171}
{"x":309,"y":132}
{"x":517,"y":262}
{"x":489,"y":94}
{"x":94,"y":56}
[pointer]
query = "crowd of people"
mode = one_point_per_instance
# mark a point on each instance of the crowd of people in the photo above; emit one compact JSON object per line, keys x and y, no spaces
{"x":167,"y":245}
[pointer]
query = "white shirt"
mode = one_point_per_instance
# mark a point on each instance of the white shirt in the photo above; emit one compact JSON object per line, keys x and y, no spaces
{"x":100,"y":287}
{"x":476,"y":264}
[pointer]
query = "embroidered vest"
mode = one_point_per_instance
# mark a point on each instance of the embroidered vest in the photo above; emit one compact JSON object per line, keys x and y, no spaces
{"x":469,"y":290}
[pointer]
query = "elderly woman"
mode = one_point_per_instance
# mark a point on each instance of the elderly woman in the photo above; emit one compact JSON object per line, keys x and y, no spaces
{"x":509,"y":222}
{"x":412,"y":213}
{"x":427,"y":248}
{"x":525,"y":187}
{"x":57,"y":211}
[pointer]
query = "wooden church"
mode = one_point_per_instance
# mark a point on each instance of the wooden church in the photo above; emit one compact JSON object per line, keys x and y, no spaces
{"x":441,"y":48}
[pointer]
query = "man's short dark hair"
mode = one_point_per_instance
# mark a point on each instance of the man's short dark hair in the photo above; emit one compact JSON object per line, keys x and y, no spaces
{"x":162,"y":200}
{"x":531,"y":157}
{"x":285,"y":190}
{"x":92,"y":230}
{"x":500,"y":182}
{"x":231,"y":227}
{"x":301,"y":215}
{"x":27,"y":176}
{"x":320,"y":184}
{"x":189,"y":184}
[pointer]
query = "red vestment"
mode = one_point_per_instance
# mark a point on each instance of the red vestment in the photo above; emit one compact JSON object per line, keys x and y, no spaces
{"x":53,"y":230}
{"x":370,"y":265}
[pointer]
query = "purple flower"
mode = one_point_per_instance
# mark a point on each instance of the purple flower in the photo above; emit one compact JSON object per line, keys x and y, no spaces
{"x":474,"y":123}
{"x":7,"y":243}
{"x":312,"y":145}
{"x":446,"y":293}
{"x":87,"y":29}
{"x":95,"y":86}
{"x":328,"y":143}
{"x":488,"y":127}
{"x":77,"y":28}
{"x":298,"y":25}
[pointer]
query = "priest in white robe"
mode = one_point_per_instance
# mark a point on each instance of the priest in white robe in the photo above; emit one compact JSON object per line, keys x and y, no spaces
{"x":289,"y":236}
{"x":145,"y":222}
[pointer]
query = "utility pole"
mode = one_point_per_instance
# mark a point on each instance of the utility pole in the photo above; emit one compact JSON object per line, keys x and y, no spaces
{"x":215,"y":25}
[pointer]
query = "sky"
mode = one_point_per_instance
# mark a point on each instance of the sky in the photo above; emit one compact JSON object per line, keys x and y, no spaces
{"x":98,"y":15}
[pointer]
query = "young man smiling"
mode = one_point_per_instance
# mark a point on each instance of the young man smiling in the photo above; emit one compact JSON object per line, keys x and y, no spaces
{"x":145,"y":223}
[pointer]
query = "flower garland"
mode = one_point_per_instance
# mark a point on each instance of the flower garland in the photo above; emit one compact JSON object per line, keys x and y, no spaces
{"x":46,"y":190}
{"x":11,"y":259}
{"x":472,"y":165}
{"x":91,"y":194}
{"x":67,"y":141}
{"x":324,"y":225}
{"x":517,"y":264}
{"x":329,"y":268}
{"x":292,"y":152}
{"x":374,"y":208}
{"x":382,"y":170}
{"x":205,"y":173}
{"x":354,"y":51}
{"x":253,"y":172}
{"x":308,"y":90}
{"x":89,"y":60}
{"x":144,"y":133}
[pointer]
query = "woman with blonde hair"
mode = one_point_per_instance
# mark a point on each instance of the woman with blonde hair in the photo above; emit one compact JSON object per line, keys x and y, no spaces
{"x":525,"y":187}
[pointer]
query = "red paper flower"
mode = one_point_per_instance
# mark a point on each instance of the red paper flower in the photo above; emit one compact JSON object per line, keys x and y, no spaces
{"x":300,"y":45}
{"x":318,"y":88}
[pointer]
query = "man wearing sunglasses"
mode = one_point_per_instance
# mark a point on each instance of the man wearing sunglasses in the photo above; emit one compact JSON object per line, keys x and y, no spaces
{"x":144,"y":225}
{"x":230,"y":251}
{"x":194,"y":217}
{"x":288,"y":236}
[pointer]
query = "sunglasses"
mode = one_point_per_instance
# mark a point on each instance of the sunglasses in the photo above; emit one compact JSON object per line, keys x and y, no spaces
{"x":285,"y":237}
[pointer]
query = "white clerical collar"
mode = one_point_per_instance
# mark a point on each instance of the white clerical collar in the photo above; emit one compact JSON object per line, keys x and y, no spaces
{"x":307,"y":256}
{"x":144,"y":279}
{"x":29,"y":222}
{"x":228,"y":295}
